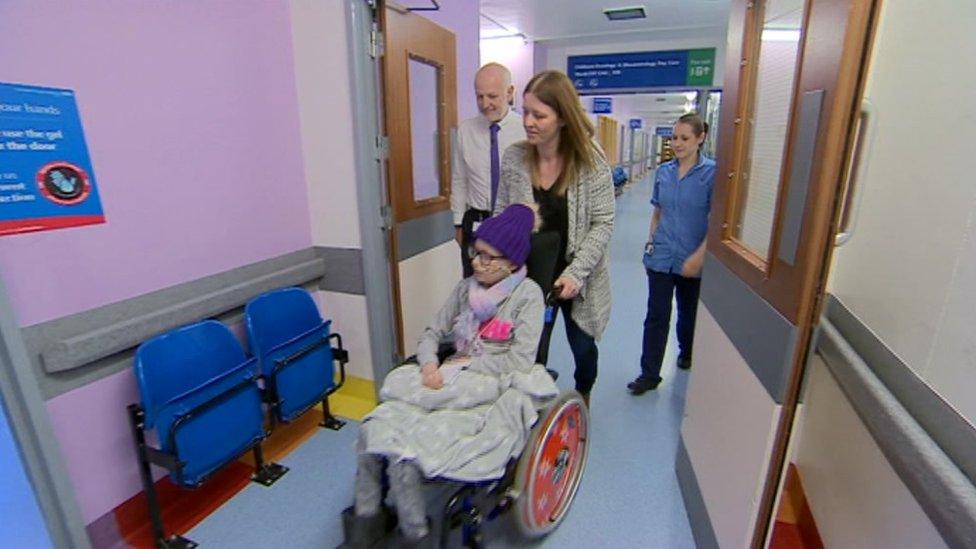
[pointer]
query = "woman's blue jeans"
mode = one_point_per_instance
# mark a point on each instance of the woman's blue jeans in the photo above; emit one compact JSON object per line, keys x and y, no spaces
{"x":583,"y":345}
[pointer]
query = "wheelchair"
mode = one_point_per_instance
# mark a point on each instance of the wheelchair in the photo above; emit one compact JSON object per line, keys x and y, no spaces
{"x":540,"y":485}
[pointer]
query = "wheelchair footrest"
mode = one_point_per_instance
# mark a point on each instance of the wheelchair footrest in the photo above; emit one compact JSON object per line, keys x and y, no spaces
{"x":176,"y":542}
{"x":332,"y":422}
{"x":269,"y":474}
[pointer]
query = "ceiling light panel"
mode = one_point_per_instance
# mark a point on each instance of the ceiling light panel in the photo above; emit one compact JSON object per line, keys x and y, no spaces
{"x":625,"y":14}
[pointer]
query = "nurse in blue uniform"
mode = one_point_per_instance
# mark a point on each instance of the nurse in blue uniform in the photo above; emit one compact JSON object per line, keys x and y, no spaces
{"x":675,"y":249}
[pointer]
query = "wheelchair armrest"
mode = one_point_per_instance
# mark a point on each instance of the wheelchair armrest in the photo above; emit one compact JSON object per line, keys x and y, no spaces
{"x":552,"y":373}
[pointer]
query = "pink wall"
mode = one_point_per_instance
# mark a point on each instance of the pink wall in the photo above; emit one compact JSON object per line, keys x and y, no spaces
{"x":460,"y":17}
{"x":191,"y":118}
{"x":514,"y":54}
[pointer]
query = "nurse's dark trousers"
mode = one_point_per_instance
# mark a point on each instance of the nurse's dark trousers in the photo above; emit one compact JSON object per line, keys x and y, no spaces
{"x":661,"y":288}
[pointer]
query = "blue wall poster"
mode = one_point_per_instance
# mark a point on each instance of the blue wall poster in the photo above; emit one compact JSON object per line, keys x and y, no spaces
{"x":602,"y":105}
{"x":663,"y":131}
{"x":636,"y":123}
{"x":611,"y":72}
{"x":46,"y":177}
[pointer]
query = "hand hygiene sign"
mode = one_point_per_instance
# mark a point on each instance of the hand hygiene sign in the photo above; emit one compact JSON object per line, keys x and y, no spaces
{"x":46,"y":176}
{"x":641,"y":70}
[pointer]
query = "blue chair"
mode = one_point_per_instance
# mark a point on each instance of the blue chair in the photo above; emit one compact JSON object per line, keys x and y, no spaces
{"x":200,"y":394}
{"x":293,"y":347}
{"x":619,"y":176}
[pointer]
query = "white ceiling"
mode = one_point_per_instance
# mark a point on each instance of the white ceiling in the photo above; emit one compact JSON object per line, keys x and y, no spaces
{"x":560,"y":19}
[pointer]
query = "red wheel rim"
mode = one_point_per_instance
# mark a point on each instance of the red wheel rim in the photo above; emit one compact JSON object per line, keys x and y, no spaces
{"x":558,"y":466}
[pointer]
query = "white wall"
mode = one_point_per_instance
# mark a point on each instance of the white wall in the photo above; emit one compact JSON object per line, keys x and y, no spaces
{"x":552,"y":54}
{"x":728,"y":430}
{"x":325,"y":108}
{"x":323,"y":88}
{"x":856,"y":498}
{"x":909,"y":272}
{"x":348,"y":314}
{"x":426,"y":280}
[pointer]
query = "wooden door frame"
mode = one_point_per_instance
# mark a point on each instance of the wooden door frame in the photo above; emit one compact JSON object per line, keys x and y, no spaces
{"x":399,"y":124}
{"x":401,"y":206}
{"x":806,"y":279}
{"x":775,"y":280}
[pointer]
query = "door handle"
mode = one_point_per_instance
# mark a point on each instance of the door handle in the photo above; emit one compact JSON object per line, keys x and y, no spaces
{"x":856,"y":166}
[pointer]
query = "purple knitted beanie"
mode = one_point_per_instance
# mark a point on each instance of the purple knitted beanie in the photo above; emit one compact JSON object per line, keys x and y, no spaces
{"x":509,"y":232}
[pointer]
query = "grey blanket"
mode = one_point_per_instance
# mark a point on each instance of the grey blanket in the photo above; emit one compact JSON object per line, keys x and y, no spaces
{"x":469,"y":429}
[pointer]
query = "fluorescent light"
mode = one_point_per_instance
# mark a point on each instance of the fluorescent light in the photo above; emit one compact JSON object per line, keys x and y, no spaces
{"x":781,"y":35}
{"x":508,"y":37}
{"x":624,"y":14}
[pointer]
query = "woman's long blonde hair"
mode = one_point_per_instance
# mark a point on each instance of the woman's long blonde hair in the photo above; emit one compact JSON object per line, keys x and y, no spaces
{"x":575,"y":137}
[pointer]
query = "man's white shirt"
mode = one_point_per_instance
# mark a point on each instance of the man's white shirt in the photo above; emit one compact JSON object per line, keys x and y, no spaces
{"x":471,"y":165}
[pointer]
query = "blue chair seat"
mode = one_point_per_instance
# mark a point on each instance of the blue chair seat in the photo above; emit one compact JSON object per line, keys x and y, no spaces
{"x":302,"y":371}
{"x":292,"y":345}
{"x":200,"y":392}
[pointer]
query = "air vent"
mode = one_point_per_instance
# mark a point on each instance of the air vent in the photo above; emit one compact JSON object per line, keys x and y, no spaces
{"x":623,"y":14}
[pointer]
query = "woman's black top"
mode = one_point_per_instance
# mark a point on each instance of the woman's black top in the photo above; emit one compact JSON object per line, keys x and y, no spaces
{"x":555,"y":217}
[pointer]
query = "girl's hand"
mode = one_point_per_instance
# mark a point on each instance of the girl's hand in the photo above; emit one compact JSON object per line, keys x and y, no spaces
{"x":431,"y":376}
{"x":568,"y":289}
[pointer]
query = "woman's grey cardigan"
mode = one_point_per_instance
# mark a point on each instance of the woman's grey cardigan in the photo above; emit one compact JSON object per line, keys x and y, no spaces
{"x":590,"y":204}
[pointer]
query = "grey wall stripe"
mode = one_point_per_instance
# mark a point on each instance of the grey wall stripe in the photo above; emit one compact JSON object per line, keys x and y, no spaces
{"x":85,"y":337}
{"x":32,"y":430}
{"x":419,"y":235}
{"x":701,"y":524}
{"x":941,"y":421}
{"x":54,"y":384}
{"x":764,"y":338}
{"x":800,"y":167}
{"x":76,"y":350}
{"x":944,"y":492}
{"x":343,"y":270}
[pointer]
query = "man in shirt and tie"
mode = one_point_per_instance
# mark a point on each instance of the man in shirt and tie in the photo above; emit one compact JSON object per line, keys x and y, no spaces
{"x":481,"y":141}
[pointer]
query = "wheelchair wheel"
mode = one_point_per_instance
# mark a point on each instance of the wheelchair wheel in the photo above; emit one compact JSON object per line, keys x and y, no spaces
{"x":550,"y":469}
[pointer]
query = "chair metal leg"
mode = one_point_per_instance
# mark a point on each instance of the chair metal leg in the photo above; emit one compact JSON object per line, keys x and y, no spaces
{"x":266,"y":474}
{"x":330,"y":421}
{"x":136,"y":421}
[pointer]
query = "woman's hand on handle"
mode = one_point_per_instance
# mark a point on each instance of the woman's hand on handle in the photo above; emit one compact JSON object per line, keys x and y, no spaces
{"x":568,"y":288}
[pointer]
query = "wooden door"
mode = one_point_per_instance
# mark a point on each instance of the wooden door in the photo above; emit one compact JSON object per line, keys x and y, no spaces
{"x":420,"y":110}
{"x":788,"y":118}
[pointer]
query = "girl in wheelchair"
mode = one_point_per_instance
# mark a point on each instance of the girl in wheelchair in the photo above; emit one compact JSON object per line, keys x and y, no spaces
{"x":466,"y":418}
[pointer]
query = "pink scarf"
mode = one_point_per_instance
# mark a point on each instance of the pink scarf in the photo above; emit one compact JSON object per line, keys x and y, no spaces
{"x":482,"y":305}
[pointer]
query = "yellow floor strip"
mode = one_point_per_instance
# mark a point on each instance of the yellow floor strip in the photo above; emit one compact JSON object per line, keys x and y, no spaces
{"x":354,"y":400}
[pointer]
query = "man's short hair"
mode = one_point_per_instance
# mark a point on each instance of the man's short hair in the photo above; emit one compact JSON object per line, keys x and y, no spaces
{"x":506,"y":74}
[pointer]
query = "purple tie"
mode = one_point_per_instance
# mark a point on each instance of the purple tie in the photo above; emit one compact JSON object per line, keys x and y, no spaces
{"x":495,"y":163}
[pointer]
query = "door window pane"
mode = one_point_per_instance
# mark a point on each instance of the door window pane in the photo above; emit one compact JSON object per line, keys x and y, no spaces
{"x":713,"y":107}
{"x":768,"y":123}
{"x":425,"y":129}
